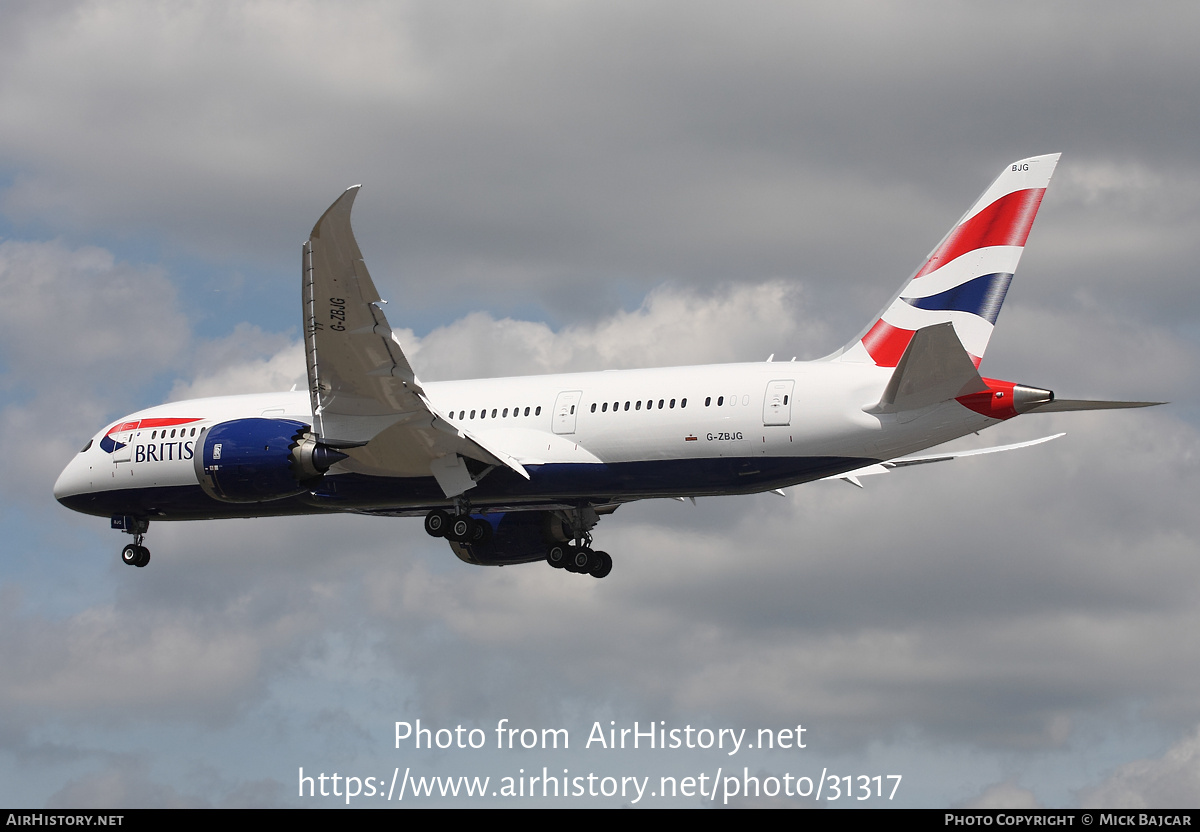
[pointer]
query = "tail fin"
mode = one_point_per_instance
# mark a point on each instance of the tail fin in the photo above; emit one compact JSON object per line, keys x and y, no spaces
{"x":964,"y":279}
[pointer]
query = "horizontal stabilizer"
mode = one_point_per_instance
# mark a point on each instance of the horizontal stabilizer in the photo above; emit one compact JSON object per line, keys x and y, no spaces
{"x":934,"y":368}
{"x":908,"y":461}
{"x":1063,"y":405}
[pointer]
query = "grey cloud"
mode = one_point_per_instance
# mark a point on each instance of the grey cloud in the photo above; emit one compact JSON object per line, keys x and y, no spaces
{"x":79,"y":315}
{"x":78,"y":333}
{"x":1171,"y":781}
{"x":572,"y":148}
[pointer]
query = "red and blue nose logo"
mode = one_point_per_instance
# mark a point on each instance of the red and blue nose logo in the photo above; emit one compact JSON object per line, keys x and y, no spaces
{"x":108,"y":444}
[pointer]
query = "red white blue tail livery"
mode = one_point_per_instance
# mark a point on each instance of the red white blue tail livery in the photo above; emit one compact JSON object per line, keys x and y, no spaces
{"x":964,"y":279}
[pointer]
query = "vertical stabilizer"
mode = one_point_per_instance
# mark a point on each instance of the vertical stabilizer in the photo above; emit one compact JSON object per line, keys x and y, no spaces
{"x":964,"y":279}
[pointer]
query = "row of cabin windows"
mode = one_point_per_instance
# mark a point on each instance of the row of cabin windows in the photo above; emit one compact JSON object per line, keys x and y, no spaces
{"x":708,"y":400}
{"x":649,"y":404}
{"x":664,"y":403}
{"x":496,"y":413}
{"x":182,"y":433}
{"x":638,"y":405}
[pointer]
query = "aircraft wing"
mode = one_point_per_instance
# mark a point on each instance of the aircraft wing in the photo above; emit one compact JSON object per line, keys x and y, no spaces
{"x":366,"y":399}
{"x":904,"y":462}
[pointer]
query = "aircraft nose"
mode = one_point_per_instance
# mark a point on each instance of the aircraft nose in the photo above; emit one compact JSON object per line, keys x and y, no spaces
{"x":73,"y":480}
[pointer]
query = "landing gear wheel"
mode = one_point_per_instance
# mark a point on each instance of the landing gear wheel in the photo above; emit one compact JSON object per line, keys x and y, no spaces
{"x":459,"y":529}
{"x":581,"y":560}
{"x":556,"y":556}
{"x":134,"y":555}
{"x":602,"y":565}
{"x":436,"y":523}
{"x":481,"y":532}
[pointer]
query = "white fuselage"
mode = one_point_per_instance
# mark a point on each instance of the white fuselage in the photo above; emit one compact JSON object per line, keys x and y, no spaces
{"x":601,"y":437}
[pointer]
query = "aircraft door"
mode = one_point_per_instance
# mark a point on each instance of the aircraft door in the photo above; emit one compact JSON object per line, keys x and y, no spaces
{"x":777,"y":406}
{"x":566,"y":408}
{"x":122,"y":439}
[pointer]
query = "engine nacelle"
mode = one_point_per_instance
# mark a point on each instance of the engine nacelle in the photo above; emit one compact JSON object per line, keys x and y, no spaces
{"x":517,"y":537}
{"x":259,"y":460}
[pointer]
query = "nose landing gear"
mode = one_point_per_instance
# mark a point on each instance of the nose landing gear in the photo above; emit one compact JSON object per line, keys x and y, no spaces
{"x":135,"y":554}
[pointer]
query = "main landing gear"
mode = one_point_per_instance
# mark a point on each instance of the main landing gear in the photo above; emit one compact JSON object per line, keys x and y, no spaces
{"x":460,"y":527}
{"x":580,"y":559}
{"x":135,"y":554}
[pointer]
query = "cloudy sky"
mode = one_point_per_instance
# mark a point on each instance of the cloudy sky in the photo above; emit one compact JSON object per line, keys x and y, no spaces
{"x":558,"y":186}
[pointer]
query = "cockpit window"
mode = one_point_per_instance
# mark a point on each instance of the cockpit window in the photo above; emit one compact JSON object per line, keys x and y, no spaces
{"x":88,"y":445}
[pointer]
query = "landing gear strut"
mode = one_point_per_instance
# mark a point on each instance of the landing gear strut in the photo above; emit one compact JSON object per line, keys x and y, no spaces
{"x":135,"y":554}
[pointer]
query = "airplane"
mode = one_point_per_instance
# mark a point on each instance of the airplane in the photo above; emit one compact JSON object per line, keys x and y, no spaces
{"x":517,"y":470}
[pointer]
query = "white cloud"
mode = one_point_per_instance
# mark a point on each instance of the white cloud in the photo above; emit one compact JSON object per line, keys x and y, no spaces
{"x":79,"y":333}
{"x":245,"y":361}
{"x":80,"y":318}
{"x":1171,"y":781}
{"x":673,"y":326}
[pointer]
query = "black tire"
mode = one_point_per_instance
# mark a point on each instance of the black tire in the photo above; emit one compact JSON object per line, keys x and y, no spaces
{"x":582,"y":560}
{"x":602,"y":566}
{"x":143,"y":557}
{"x":436,"y":523}
{"x":459,"y":529}
{"x":556,"y":556}
{"x":481,"y":532}
{"x":130,"y":555}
